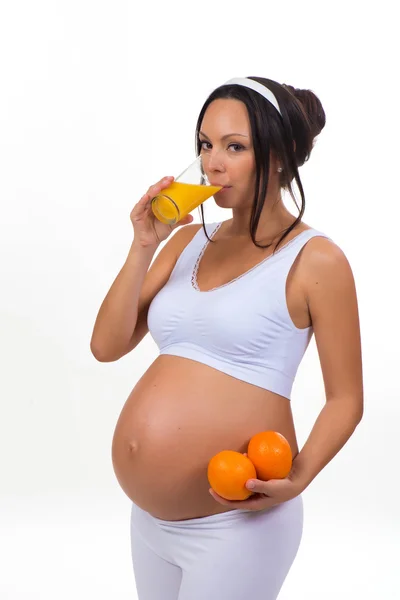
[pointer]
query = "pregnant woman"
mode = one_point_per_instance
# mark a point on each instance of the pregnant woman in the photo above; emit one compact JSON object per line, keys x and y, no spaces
{"x":232,"y":307}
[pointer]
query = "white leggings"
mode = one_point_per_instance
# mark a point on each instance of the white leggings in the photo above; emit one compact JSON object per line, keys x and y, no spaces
{"x":236,"y":555}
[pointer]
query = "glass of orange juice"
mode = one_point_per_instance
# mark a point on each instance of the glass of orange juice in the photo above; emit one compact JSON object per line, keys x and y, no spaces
{"x":185,"y":193}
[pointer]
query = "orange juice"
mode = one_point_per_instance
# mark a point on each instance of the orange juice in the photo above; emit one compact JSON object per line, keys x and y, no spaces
{"x":179,"y":199}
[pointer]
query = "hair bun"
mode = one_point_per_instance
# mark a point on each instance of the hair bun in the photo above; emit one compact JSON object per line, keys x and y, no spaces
{"x":312,"y":107}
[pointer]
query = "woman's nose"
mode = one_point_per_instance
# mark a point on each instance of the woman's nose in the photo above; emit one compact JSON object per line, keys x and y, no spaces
{"x":214,"y":161}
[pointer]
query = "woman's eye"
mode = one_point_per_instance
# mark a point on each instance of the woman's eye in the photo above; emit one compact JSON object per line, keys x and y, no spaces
{"x":237,"y":147}
{"x":203,"y":146}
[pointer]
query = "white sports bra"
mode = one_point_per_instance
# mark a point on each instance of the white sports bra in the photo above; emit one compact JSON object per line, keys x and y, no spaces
{"x":243,"y":327}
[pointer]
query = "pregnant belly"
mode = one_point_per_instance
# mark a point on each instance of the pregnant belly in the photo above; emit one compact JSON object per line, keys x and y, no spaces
{"x":177,"y":417}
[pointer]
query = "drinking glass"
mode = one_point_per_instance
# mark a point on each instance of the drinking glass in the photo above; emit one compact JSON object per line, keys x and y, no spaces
{"x":185,"y":193}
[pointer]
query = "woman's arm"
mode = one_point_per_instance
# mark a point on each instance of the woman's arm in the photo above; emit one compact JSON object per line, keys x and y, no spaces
{"x":332,"y":301}
{"x":331,"y":296}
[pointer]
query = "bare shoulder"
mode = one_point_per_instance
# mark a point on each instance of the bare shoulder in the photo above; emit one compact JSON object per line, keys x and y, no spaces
{"x":318,"y":254}
{"x":187,"y":232}
{"x":184,"y":235}
{"x":323,"y":259}
{"x":323,"y":266}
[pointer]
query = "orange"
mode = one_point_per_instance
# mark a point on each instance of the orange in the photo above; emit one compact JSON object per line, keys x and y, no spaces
{"x":270,"y":453}
{"x":228,"y":472}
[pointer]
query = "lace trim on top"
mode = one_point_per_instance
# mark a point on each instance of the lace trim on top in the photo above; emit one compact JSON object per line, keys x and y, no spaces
{"x":196,"y":266}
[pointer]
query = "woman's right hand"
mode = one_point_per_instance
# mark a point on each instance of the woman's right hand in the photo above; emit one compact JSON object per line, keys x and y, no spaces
{"x":148,"y":230}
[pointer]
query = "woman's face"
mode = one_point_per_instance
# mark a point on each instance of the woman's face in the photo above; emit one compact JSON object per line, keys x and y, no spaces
{"x":227,"y":152}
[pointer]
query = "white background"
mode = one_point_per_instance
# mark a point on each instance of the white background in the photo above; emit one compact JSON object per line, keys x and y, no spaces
{"x":99,"y":100}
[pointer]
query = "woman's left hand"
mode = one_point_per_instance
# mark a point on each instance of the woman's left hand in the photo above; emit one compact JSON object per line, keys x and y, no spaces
{"x":266,"y":494}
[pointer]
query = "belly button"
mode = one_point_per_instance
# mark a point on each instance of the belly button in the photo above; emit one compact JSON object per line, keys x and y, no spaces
{"x":133,"y":447}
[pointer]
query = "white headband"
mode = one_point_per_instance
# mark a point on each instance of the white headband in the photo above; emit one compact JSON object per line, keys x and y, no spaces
{"x":257,"y":87}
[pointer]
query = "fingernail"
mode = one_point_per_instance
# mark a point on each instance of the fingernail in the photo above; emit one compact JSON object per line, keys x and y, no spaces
{"x":250,"y":485}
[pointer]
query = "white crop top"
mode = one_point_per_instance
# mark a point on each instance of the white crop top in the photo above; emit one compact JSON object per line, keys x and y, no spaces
{"x":243,"y":327}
